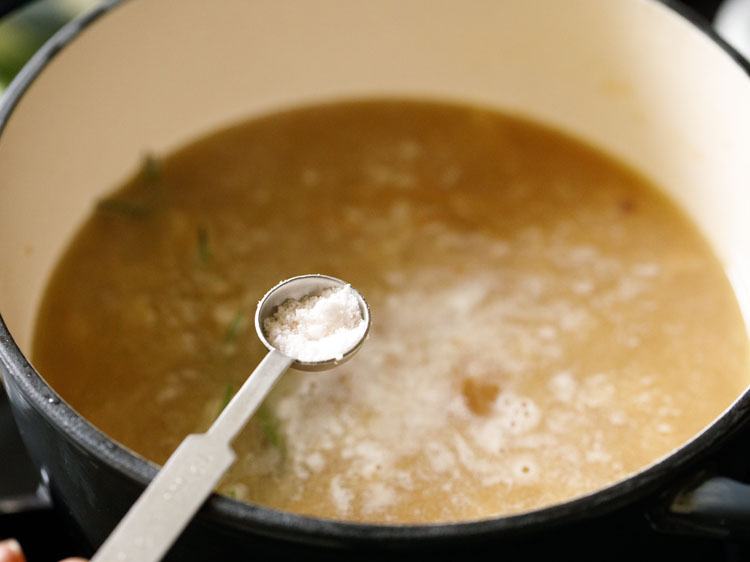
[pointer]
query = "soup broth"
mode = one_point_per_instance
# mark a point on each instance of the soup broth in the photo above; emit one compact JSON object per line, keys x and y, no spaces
{"x":545,"y":322}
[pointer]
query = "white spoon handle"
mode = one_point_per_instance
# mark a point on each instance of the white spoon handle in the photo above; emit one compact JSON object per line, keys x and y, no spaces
{"x":189,"y":476}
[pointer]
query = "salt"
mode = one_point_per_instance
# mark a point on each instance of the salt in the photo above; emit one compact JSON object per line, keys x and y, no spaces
{"x":317,"y":327}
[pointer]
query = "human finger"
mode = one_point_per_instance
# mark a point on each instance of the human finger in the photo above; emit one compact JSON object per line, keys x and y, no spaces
{"x":10,"y":551}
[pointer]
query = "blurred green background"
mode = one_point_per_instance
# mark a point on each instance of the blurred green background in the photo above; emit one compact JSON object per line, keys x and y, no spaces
{"x":23,"y":31}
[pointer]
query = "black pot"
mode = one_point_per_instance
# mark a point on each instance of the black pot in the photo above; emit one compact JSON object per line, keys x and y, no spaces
{"x":632,"y":76}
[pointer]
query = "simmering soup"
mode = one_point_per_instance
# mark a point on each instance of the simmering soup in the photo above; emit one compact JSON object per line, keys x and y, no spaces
{"x":545,"y":322}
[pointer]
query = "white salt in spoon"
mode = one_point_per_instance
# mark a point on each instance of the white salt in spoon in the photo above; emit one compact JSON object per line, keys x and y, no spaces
{"x":189,"y":476}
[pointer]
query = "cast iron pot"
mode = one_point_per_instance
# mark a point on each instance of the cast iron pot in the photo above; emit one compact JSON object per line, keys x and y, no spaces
{"x":633,"y":77}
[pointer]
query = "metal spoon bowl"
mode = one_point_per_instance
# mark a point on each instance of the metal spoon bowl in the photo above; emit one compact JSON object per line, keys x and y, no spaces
{"x":297,"y":288}
{"x":191,"y":473}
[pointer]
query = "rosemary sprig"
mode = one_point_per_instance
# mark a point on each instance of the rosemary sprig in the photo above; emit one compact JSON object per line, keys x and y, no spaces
{"x":204,"y":249}
{"x":151,"y":169}
{"x":226,"y":397}
{"x":151,"y":174}
{"x":238,"y":320}
{"x":271,"y":427}
{"x":269,"y":423}
{"x":124,"y":207}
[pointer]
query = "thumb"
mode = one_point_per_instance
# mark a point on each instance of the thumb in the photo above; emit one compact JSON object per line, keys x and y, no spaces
{"x":10,"y":551}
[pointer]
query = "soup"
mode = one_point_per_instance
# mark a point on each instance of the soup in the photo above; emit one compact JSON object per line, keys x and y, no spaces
{"x":545,"y":322}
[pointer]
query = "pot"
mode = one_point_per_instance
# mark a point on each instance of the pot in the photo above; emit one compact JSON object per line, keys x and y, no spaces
{"x":633,"y":77}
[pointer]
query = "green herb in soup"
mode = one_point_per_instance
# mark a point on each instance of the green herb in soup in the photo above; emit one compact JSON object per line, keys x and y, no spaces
{"x":545,"y":322}
{"x":204,"y":251}
{"x":226,"y":397}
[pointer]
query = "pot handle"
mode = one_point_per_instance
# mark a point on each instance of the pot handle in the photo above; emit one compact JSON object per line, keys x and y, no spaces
{"x":710,"y":506}
{"x":21,"y":487}
{"x":24,"y":502}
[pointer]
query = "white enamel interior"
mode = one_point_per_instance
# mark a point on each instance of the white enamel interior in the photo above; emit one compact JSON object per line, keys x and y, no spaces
{"x":629,"y":76}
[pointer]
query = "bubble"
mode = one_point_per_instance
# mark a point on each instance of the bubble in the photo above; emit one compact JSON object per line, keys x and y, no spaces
{"x":524,"y":469}
{"x":517,"y":414}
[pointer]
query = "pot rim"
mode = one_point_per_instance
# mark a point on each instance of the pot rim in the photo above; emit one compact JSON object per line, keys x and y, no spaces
{"x":305,"y":529}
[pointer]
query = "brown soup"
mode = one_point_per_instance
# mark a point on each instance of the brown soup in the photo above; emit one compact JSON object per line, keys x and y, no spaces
{"x":545,"y":322}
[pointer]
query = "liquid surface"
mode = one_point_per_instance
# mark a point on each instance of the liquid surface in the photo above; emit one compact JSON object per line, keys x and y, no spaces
{"x":544,"y":322}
